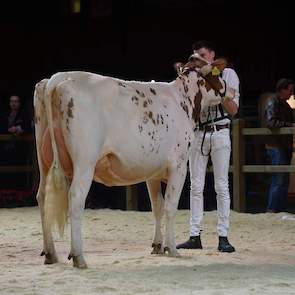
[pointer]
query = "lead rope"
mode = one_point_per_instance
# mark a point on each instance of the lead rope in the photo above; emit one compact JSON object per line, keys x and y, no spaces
{"x":204,"y":134}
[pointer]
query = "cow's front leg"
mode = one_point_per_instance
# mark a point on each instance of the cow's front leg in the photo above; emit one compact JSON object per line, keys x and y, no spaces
{"x":157,"y":201}
{"x":78,"y":192}
{"x":172,"y":195}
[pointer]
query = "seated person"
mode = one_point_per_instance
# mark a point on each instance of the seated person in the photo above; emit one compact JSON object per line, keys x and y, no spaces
{"x":13,"y":122}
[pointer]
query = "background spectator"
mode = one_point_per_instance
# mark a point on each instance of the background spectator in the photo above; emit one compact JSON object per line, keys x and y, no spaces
{"x":275,"y":112}
{"x":15,"y":122}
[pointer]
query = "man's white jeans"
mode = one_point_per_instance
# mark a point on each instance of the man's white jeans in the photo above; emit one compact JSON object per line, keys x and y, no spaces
{"x":220,"y":155}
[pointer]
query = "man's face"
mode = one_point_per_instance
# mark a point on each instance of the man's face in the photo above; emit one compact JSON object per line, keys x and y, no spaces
{"x":14,"y":103}
{"x":206,"y":53}
{"x":287,"y":92}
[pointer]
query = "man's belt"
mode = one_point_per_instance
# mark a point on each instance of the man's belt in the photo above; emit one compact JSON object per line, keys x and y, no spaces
{"x":211,"y":128}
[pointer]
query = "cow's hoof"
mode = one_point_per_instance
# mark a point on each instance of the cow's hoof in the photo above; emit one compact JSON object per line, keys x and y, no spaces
{"x":49,"y":258}
{"x":78,"y":261}
{"x":171,"y":253}
{"x":157,"y":249}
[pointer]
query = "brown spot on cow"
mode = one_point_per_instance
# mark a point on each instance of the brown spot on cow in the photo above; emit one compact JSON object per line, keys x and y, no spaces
{"x":185,"y":87}
{"x":197,"y":106}
{"x":135,"y":99}
{"x":67,"y":124}
{"x":214,"y":82}
{"x":36,"y":119}
{"x":145,"y":120}
{"x":121,"y":84}
{"x":151,"y":116}
{"x":189,"y":100}
{"x":70,"y":108}
{"x":153,"y":91}
{"x":43,"y":104}
{"x":147,"y":116}
{"x":145,"y":104}
{"x":184,"y":107}
{"x":140,"y":128}
{"x":201,"y":82}
{"x":140,"y":93}
{"x":150,"y":101}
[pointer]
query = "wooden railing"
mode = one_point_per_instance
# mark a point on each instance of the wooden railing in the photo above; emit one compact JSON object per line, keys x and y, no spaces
{"x":32,"y":172}
{"x":239,"y":168}
{"x":31,"y":165}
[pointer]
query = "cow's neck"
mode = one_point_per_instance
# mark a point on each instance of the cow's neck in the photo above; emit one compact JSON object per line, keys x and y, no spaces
{"x":190,"y":97}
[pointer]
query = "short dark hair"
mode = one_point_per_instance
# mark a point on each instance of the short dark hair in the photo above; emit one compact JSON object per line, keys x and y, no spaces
{"x":203,"y":43}
{"x":283,"y":84}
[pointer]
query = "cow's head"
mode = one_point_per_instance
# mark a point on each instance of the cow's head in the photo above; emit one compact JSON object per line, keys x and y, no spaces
{"x":200,"y":83}
{"x":199,"y":64}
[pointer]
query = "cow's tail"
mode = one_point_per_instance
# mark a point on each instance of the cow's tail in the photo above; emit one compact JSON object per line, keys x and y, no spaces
{"x":57,"y":187}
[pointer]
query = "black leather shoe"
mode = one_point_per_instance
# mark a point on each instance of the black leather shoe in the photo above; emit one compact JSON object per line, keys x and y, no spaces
{"x":225,"y":246}
{"x":192,"y":243}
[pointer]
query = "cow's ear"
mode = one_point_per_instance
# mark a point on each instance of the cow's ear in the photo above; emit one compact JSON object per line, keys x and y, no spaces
{"x":178,"y":67}
{"x":219,"y":64}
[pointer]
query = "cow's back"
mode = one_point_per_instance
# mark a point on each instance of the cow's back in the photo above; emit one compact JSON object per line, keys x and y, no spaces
{"x":133,"y":129}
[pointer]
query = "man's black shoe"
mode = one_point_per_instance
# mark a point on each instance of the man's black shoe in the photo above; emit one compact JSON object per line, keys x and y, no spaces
{"x":225,"y":246}
{"x":192,"y":243}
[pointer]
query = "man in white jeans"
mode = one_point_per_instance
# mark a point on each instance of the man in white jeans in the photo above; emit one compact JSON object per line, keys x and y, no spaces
{"x":212,"y":139}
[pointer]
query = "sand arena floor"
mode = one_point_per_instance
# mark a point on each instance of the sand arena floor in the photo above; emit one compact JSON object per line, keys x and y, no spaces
{"x":117,"y":250}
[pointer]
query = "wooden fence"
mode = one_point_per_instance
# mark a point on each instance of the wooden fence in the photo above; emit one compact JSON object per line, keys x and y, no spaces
{"x":31,"y":166}
{"x":238,"y":167}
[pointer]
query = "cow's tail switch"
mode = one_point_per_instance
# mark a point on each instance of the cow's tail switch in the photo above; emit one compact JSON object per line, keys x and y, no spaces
{"x":57,"y":188}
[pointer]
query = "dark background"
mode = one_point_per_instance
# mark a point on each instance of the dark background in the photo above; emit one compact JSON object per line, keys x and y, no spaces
{"x":140,"y":40}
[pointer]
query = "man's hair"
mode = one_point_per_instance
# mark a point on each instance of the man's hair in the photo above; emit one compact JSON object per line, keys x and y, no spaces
{"x":203,"y":43}
{"x":283,"y":84}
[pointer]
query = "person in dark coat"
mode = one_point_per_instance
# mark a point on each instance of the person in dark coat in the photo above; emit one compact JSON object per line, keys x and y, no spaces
{"x":275,"y":112}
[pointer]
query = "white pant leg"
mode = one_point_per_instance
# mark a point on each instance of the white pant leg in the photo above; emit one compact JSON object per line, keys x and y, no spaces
{"x":198,"y":165}
{"x":220,"y":155}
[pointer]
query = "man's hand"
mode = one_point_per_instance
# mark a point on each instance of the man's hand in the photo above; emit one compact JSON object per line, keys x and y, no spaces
{"x":12,"y":129}
{"x":15,"y":130}
{"x":229,"y":95}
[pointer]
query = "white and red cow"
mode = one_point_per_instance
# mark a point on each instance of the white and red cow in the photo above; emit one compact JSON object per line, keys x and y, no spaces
{"x":92,"y":127}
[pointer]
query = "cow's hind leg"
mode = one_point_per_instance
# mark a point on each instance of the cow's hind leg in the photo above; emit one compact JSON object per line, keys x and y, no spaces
{"x":40,"y":126}
{"x":78,"y":192}
{"x":157,"y":201}
{"x":172,"y":195}
{"x":48,"y":245}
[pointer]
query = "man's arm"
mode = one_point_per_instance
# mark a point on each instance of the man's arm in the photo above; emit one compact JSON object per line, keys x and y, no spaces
{"x":272,"y":117}
{"x":230,"y":106}
{"x":232,"y":81}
